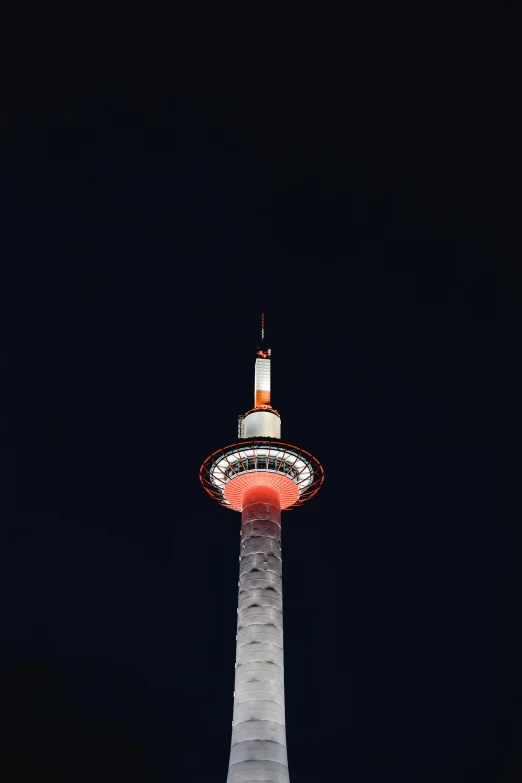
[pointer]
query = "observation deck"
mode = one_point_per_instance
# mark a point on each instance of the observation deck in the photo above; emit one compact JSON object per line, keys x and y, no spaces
{"x":293,"y":472}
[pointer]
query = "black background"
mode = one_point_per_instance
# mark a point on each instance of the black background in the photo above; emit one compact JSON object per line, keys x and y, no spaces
{"x":359,"y":180}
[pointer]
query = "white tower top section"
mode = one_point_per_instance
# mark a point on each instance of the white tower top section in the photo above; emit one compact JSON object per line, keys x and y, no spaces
{"x":262,"y":421}
{"x":262,"y":381}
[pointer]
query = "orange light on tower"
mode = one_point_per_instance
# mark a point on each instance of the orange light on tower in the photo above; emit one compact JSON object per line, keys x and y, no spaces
{"x":262,"y":376}
{"x":260,"y":476}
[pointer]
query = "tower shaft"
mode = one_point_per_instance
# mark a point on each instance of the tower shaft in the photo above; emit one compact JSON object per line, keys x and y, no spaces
{"x":258,"y":751}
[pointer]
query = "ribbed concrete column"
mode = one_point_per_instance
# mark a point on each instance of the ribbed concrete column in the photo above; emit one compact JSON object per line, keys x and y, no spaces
{"x":258,"y":751}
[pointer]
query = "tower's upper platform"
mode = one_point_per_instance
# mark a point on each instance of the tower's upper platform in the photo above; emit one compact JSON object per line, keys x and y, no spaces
{"x":228,"y":472}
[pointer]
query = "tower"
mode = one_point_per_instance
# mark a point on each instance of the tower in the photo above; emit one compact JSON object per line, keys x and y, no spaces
{"x":260,"y":476}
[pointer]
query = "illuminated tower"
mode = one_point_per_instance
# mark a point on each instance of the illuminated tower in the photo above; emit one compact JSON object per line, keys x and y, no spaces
{"x":260,"y":476}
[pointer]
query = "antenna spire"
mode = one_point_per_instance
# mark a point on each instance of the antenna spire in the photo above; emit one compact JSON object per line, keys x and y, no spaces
{"x":262,"y":327}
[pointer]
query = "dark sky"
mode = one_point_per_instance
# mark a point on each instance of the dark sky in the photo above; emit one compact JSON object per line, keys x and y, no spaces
{"x":361,"y":183}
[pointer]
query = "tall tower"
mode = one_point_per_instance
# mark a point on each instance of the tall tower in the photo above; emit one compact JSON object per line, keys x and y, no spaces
{"x":260,"y":476}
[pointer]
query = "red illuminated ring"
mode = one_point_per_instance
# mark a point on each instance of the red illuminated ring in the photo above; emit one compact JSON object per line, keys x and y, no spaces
{"x":294,"y":472}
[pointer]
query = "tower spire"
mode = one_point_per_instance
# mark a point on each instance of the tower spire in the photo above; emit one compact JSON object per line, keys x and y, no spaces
{"x":262,"y":382}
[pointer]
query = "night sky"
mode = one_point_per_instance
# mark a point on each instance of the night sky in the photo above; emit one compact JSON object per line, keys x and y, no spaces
{"x":360,"y":182}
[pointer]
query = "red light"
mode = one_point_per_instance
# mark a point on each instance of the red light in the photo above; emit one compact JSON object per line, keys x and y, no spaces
{"x":235,"y":489}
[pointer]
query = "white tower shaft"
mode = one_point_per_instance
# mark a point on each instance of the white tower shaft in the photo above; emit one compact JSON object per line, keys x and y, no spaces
{"x":258,"y":751}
